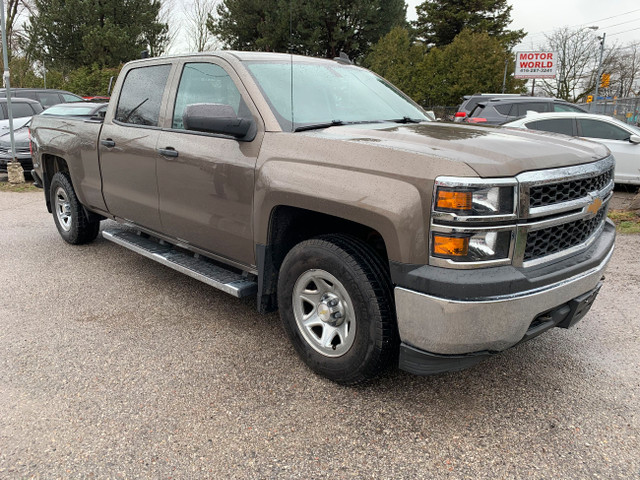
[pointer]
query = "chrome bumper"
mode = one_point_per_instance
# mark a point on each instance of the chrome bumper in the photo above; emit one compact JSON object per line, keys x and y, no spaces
{"x":448,"y":327}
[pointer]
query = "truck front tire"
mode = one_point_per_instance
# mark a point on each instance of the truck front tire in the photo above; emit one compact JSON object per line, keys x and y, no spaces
{"x":70,"y":218}
{"x":336,"y":304}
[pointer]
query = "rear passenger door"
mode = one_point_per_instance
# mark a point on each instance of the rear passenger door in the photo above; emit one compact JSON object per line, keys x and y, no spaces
{"x":127,"y":146}
{"x":206,"y":181}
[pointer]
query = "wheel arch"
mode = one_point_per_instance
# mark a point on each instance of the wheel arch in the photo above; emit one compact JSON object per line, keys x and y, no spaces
{"x":288,"y":226}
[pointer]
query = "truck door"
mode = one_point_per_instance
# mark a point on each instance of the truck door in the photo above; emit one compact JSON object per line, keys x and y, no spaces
{"x":206,"y":181}
{"x":127,"y":146}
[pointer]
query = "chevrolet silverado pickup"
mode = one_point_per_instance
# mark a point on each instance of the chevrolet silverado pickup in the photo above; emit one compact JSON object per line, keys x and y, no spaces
{"x":320,"y":189}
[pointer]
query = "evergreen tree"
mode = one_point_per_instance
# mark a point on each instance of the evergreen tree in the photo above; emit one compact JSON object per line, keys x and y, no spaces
{"x":69,"y":34}
{"x":472,"y":63}
{"x":440,"y":21}
{"x":315,"y":27}
{"x":397,"y":59}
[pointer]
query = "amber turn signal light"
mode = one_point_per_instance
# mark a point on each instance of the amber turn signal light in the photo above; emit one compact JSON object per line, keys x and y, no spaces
{"x":453,"y":200}
{"x":450,"y":246}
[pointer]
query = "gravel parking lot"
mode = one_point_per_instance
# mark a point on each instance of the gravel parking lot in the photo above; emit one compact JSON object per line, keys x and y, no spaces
{"x":112,"y":366}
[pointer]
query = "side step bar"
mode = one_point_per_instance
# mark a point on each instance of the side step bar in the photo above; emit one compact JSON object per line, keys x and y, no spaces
{"x":197,"y":267}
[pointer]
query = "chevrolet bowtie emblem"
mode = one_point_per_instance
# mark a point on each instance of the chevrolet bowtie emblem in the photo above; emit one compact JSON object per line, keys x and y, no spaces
{"x":594,"y":208}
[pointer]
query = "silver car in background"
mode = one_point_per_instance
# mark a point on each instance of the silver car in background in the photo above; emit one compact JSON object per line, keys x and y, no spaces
{"x":622,"y":139}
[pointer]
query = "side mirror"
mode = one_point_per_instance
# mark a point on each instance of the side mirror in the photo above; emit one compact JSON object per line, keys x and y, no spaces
{"x":634,"y":139}
{"x":218,"y":118}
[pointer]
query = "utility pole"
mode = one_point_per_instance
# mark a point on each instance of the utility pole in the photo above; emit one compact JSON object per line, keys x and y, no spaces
{"x":504,"y":78}
{"x":14,"y":168}
{"x":595,"y":100}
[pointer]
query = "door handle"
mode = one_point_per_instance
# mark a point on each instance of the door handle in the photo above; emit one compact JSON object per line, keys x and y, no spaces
{"x":108,"y":143}
{"x":168,"y":152}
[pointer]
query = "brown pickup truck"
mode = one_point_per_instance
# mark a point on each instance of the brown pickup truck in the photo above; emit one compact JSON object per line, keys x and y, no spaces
{"x":381,"y":236}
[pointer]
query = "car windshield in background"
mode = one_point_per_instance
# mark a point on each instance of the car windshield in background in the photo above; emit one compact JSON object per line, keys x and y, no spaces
{"x":327,"y":94}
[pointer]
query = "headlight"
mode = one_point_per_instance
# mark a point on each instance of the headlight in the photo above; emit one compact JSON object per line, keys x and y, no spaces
{"x":481,"y":246}
{"x":474,"y":198}
{"x":473,"y":222}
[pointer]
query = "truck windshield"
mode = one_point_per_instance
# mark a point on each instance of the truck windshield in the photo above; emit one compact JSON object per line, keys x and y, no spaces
{"x":327,"y":93}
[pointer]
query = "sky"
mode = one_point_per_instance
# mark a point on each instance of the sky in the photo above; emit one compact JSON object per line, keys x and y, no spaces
{"x":620,"y":19}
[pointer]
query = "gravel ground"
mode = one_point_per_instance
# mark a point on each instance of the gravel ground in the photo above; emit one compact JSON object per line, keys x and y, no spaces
{"x":112,"y":366}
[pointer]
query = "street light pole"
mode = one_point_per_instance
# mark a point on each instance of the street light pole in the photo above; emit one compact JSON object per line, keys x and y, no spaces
{"x":14,"y":169}
{"x":595,"y":100}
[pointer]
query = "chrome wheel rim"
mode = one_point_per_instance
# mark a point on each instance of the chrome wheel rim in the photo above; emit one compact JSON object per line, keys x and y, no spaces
{"x":63,"y":209}
{"x":324,"y":313}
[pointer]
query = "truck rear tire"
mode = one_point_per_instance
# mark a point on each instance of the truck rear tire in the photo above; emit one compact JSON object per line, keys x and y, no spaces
{"x":68,"y":214}
{"x":336,"y":304}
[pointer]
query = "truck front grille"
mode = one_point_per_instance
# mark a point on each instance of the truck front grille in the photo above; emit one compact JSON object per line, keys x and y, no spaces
{"x":550,"y":194}
{"x":547,"y":241}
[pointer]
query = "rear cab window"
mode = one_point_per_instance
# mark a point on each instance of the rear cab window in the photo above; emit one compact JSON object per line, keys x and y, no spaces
{"x":141,"y":95}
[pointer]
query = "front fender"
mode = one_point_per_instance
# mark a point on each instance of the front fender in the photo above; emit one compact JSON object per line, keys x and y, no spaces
{"x":392,"y":207}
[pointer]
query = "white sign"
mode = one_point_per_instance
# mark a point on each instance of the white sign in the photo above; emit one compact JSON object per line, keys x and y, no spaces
{"x":536,"y":65}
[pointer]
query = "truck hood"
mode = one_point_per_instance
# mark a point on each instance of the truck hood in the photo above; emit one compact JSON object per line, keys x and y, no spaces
{"x":490,"y":151}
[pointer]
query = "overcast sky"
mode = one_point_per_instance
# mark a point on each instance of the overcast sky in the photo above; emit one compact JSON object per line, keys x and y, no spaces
{"x":620,"y":19}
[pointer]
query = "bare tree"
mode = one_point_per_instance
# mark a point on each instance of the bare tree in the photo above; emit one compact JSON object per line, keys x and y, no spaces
{"x":199,"y":37}
{"x":625,"y":71}
{"x":577,"y":60}
{"x":16,"y":10}
{"x":167,"y":15}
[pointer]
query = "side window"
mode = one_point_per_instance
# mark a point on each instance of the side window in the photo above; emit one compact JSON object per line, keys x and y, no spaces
{"x":47,"y":99}
{"x":503,"y":109}
{"x":141,"y":95}
{"x":3,"y":115}
{"x":21,"y":110}
{"x":206,"y":83}
{"x":523,"y":108}
{"x":70,"y":98}
{"x":597,"y":129}
{"x":26,"y":94}
{"x":556,"y":125}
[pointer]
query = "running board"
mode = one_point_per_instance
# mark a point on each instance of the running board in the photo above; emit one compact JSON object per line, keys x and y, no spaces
{"x":195,"y":266}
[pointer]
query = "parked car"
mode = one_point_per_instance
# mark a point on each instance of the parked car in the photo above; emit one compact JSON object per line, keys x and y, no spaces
{"x":23,"y":151}
{"x":47,"y":97}
{"x":85,"y":111}
{"x":496,"y":111}
{"x":470,"y":101}
{"x":20,"y":108}
{"x":622,"y":139}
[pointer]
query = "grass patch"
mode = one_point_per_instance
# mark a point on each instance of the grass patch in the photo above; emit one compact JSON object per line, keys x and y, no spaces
{"x":20,"y":187}
{"x":626,"y":221}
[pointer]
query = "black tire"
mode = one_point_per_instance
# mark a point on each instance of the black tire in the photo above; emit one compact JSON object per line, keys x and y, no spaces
{"x":70,"y":218}
{"x":368,"y":302}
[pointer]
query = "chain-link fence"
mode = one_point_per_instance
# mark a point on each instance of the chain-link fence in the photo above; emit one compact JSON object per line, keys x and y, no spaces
{"x":625,"y":109}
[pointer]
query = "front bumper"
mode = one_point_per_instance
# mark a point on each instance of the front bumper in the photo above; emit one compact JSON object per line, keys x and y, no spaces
{"x":463,"y":331}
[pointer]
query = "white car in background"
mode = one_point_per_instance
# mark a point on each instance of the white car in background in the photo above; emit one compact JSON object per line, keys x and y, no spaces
{"x":622,"y":139}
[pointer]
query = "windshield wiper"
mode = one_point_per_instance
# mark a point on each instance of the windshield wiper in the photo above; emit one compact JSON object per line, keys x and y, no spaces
{"x":335,"y":123}
{"x":317,"y":126}
{"x":405,"y":120}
